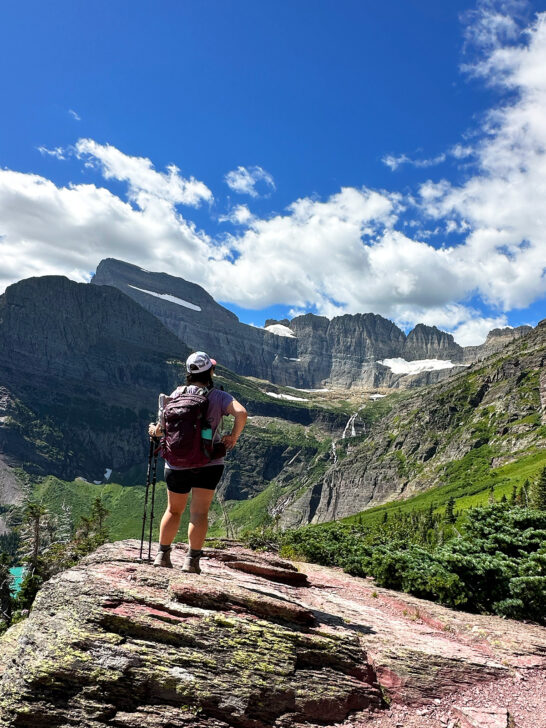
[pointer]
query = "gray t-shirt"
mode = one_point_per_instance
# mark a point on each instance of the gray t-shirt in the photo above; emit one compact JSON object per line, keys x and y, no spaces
{"x":219,"y":401}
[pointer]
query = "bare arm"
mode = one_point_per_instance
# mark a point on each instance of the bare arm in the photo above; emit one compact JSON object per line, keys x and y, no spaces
{"x":240,"y":414}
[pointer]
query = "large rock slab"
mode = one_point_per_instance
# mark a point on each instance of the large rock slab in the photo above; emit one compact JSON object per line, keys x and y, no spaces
{"x":118,"y":643}
{"x":113,"y":642}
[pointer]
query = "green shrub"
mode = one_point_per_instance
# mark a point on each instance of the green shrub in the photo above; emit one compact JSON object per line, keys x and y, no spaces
{"x":496,"y":565}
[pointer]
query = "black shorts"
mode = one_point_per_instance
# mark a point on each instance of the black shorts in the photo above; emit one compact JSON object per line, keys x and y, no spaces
{"x":182,"y":481}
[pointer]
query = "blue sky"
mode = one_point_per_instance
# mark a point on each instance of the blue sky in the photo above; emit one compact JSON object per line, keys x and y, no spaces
{"x":358,"y":110}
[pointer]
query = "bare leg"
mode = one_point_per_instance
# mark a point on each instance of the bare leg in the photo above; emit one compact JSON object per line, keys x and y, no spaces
{"x":199,"y":510}
{"x":171,"y":518}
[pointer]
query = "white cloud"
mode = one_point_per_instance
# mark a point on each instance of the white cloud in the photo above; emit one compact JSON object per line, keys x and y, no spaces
{"x":393,"y":162}
{"x":244,"y":180}
{"x":493,"y":24}
{"x":502,"y":204}
{"x":461,"y":151}
{"x":57,"y":152}
{"x":146,"y":186}
{"x":74,"y":115}
{"x":46,"y":229}
{"x":474,"y":331}
{"x":239,"y":215}
{"x":342,"y":254}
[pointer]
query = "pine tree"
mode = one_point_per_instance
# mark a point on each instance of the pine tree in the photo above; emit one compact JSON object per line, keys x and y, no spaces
{"x":514,"y":495}
{"x":491,"y":498}
{"x":64,"y":524}
{"x":385,"y":517}
{"x":526,"y":487}
{"x":35,"y":532}
{"x":98,"y":515}
{"x":449,"y":516}
{"x":538,"y":492}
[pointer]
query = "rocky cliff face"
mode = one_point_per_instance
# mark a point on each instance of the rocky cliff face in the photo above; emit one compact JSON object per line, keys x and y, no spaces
{"x":308,"y":351}
{"x":254,"y":643}
{"x":193,"y":315}
{"x":496,"y":340}
{"x":81,"y":369}
{"x":428,"y":342}
{"x":491,"y":412}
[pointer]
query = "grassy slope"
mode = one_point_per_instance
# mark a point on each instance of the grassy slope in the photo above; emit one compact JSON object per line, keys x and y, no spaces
{"x":469,"y":487}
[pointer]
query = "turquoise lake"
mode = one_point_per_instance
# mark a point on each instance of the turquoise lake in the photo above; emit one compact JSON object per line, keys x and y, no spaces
{"x":17,"y":573}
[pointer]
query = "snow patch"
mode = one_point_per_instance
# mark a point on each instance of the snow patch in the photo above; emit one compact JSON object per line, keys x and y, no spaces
{"x":167,"y":297}
{"x":97,"y":482}
{"x":291,"y":358}
{"x":286,"y":396}
{"x":377,"y":396}
{"x":107,"y":473}
{"x":280,"y":330}
{"x":401,"y":366}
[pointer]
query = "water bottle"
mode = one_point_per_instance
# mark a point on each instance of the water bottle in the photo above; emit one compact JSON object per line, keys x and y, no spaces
{"x":206,"y":434}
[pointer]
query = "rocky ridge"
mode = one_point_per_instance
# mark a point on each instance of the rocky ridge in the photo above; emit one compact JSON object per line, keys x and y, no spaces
{"x":112,"y":642}
{"x":313,"y":350}
{"x":81,"y":368}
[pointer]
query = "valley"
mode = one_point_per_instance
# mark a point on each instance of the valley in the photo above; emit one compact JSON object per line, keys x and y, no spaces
{"x":80,"y":381}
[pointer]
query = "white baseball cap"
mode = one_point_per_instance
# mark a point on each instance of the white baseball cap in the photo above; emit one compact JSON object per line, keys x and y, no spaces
{"x":199,"y":362}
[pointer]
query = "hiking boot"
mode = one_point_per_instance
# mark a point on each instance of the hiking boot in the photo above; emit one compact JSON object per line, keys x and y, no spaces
{"x":191,"y":565}
{"x":163,"y":558}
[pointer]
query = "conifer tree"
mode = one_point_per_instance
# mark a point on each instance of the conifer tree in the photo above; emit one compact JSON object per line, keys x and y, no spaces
{"x":538,"y":492}
{"x":449,"y":516}
{"x":526,"y":487}
{"x":64,"y":524}
{"x":491,"y":498}
{"x":98,"y":514}
{"x":35,"y":531}
{"x":514,"y":495}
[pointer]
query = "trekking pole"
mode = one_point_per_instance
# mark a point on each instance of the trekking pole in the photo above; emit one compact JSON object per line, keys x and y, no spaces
{"x":154,"y":474}
{"x":148,"y":473}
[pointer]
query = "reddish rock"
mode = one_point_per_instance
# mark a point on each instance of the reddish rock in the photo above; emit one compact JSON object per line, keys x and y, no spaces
{"x":201,"y":593}
{"x":480,"y":718}
{"x":273,"y":573}
{"x":112,"y":642}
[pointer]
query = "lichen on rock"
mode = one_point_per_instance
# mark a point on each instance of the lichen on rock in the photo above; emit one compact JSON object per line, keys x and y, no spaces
{"x":115,"y":642}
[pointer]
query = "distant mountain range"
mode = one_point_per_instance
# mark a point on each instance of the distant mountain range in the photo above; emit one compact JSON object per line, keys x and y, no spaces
{"x":307,"y":352}
{"x":81,"y":367}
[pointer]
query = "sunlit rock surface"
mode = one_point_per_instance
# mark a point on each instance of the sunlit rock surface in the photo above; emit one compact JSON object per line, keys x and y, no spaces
{"x":113,"y":642}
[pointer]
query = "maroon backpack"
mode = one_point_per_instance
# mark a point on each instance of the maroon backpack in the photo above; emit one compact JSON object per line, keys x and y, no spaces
{"x":185,"y":417}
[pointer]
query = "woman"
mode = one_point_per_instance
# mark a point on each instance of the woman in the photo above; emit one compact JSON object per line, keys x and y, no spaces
{"x":202,"y":481}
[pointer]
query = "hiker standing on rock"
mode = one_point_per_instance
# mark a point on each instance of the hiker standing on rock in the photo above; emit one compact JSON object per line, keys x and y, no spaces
{"x":189,"y":421}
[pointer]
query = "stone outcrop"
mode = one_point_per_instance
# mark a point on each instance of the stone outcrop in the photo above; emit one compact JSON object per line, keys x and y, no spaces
{"x":496,"y":340}
{"x":11,"y":492}
{"x":113,"y":642}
